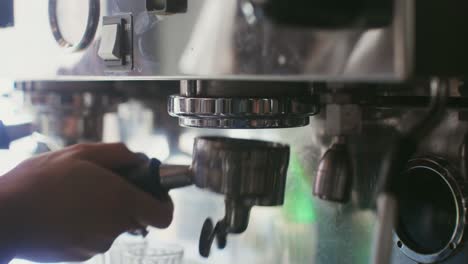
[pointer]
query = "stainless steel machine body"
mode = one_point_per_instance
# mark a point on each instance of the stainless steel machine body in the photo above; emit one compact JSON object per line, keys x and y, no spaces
{"x":244,"y":42}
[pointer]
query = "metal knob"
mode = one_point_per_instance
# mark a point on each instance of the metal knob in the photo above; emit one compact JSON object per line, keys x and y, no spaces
{"x":334,"y":176}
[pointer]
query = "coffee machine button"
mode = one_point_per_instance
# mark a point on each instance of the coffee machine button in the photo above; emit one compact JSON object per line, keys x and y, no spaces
{"x":110,"y":47}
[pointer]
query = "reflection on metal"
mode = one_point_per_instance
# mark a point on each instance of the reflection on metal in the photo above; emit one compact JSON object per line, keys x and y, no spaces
{"x":330,"y":14}
{"x":231,"y":39}
{"x":223,"y":105}
{"x":333,"y":181}
{"x":241,"y":112}
{"x":235,"y":39}
{"x":89,"y":31}
{"x":311,"y":53}
{"x":175,"y":176}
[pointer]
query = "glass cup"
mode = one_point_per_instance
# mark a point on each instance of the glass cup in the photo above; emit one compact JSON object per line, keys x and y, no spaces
{"x":148,"y":253}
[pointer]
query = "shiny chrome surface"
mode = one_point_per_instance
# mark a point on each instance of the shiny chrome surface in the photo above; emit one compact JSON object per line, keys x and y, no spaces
{"x":241,"y":112}
{"x":232,"y":39}
{"x":334,"y":177}
{"x":175,"y":176}
{"x":254,"y":171}
{"x":244,"y":123}
{"x":240,"y":104}
{"x":249,"y":170}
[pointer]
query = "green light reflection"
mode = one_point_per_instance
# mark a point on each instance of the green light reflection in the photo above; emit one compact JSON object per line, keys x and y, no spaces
{"x":299,"y":205}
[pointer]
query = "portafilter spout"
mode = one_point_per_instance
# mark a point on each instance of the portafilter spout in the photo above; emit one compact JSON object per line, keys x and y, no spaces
{"x":246,"y":172}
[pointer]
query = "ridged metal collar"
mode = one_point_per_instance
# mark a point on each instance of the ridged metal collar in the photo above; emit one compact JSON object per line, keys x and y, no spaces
{"x":241,"y":112}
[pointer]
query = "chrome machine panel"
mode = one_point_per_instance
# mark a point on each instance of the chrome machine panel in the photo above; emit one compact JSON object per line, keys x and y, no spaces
{"x":230,"y":39}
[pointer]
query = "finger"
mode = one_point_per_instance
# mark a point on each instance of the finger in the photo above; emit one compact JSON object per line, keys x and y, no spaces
{"x":152,"y":212}
{"x":99,"y":245}
{"x":141,"y":208}
{"x":110,"y":156}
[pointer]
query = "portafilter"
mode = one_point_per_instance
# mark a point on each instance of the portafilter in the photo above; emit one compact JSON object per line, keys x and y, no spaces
{"x":246,"y":172}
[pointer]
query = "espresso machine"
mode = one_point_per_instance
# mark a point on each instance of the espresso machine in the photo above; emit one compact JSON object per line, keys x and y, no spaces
{"x":318,"y":131}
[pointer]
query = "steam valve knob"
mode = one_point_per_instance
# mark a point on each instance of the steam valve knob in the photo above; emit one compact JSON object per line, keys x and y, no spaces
{"x":334,"y":176}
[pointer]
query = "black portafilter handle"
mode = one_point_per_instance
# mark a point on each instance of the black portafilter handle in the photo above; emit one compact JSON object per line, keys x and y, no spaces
{"x":147,"y":178}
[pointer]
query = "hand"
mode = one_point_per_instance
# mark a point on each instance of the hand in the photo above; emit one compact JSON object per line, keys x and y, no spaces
{"x":69,"y":205}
